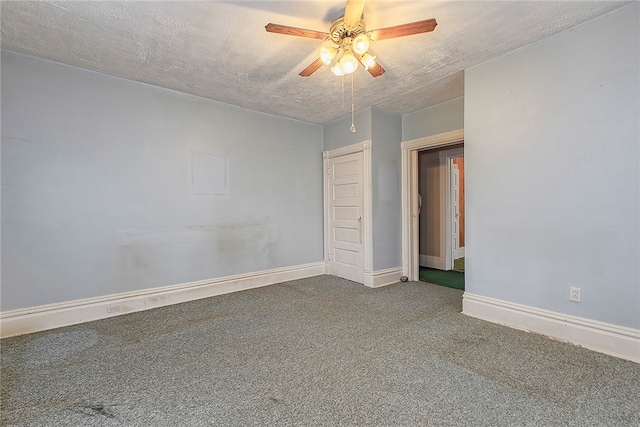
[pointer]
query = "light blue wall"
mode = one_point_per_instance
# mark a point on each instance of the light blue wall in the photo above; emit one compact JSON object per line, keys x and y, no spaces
{"x":97,"y":196}
{"x":434,"y":120}
{"x":386,"y":189}
{"x":552,"y":158}
{"x":336,"y":134}
{"x":384,"y":130}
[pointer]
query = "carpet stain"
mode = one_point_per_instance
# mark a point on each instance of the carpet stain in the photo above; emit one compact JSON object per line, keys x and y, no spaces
{"x":158,"y":329}
{"x":495,"y":360}
{"x":95,"y":410}
{"x":276,"y":400}
{"x":57,"y":347}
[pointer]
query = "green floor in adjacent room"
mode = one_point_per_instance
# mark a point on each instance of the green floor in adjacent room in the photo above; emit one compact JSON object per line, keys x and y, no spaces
{"x":458,"y":264}
{"x":450,"y":279}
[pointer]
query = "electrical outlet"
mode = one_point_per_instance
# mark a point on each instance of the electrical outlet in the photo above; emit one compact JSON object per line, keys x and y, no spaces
{"x":575,"y":294}
{"x":114,"y":308}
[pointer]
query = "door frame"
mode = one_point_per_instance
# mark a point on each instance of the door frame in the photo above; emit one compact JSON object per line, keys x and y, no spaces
{"x":410,"y":225}
{"x":367,"y":223}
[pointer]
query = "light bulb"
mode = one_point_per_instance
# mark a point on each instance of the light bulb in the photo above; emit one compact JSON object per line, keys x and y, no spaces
{"x":326,"y":54}
{"x":361,"y":44}
{"x":348,"y":63}
{"x":368,"y":60}
{"x":337,"y":71}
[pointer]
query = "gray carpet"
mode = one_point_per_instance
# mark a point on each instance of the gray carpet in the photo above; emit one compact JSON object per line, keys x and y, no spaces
{"x":319,"y":351}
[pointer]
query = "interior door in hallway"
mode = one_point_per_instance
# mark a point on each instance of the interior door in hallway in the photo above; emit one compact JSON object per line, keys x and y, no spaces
{"x":346,"y":191}
{"x":457,"y":207}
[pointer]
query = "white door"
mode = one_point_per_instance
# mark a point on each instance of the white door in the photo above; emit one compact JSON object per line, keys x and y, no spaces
{"x":458,"y":251}
{"x":346,"y":190}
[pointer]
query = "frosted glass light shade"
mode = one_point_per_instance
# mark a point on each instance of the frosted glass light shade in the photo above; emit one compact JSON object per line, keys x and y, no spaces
{"x":368,"y":60}
{"x":361,"y":44}
{"x":348,"y":63}
{"x":326,"y":54}
{"x":337,"y":71}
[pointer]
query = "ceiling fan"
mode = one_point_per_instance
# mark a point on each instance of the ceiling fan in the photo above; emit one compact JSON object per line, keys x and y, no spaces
{"x":348,"y":41}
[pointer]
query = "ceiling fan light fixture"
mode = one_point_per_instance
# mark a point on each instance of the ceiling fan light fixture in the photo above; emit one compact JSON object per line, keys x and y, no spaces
{"x":337,"y":71}
{"x":368,"y":60}
{"x":326,"y":54}
{"x":348,"y":63}
{"x":348,"y":37}
{"x":361,"y":43}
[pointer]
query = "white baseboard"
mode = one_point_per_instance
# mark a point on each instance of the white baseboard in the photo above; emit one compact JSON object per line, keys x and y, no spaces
{"x":431,"y":261}
{"x":606,"y":338}
{"x":383,"y":277}
{"x":50,"y":316}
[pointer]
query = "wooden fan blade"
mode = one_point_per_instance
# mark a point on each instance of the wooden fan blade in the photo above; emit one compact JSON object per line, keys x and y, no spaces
{"x":403,"y":30}
{"x":315,"y":66}
{"x":353,"y":12}
{"x":376,"y":70}
{"x":293,"y":31}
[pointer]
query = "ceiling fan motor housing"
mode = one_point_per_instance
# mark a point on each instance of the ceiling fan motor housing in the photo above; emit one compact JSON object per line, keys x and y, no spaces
{"x":339,"y":31}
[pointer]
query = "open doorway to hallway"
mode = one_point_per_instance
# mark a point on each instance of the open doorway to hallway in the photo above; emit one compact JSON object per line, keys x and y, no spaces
{"x":445,"y":145}
{"x":441,"y":232}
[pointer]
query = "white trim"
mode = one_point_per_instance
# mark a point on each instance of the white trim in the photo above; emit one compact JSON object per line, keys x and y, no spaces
{"x":445,"y":209}
{"x":350,"y":149}
{"x":415,"y":214}
{"x":409,"y":178}
{"x":434,"y":141}
{"x":367,"y":217}
{"x":407,"y":214}
{"x":618,"y":341}
{"x":384,"y":277}
{"x":431,"y":261}
{"x":50,"y":316}
{"x":367,"y":214}
{"x":325,"y":212}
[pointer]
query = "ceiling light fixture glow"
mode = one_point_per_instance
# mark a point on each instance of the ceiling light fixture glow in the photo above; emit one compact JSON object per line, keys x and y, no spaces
{"x":348,"y":63}
{"x":361,"y":44}
{"x":326,"y":54}
{"x":337,"y":71}
{"x":368,"y":60}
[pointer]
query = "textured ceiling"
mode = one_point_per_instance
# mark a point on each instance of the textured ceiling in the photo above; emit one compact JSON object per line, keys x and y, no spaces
{"x":220,"y":50}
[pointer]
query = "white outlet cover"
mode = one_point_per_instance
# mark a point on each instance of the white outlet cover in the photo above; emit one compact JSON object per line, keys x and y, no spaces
{"x":575,"y":294}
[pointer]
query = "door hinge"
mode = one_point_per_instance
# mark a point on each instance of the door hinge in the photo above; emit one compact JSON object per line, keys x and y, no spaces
{"x":328,"y":256}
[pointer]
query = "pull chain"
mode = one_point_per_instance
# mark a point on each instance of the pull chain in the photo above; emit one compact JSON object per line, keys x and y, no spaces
{"x":353,"y":126}
{"x":342,"y":79}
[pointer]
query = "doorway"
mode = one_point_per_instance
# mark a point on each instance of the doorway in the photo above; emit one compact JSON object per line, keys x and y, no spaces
{"x":410,"y":199}
{"x":347,"y":212}
{"x":441,"y":219}
{"x":345,"y":182}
